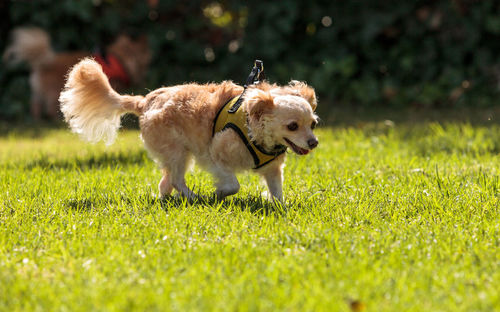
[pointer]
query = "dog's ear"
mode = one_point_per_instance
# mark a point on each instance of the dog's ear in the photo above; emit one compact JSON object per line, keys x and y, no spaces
{"x":304,"y":91}
{"x":259,"y":103}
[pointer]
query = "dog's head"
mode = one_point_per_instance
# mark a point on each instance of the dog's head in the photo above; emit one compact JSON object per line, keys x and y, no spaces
{"x":283,"y":115}
{"x":135,"y":54}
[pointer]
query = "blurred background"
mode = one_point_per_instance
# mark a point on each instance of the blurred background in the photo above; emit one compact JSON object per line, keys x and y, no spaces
{"x":356,"y":54}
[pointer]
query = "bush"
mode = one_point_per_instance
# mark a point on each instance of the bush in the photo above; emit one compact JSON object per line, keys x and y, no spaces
{"x":361,"y":53}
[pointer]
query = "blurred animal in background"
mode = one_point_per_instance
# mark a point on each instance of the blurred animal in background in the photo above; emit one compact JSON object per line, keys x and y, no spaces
{"x":125,"y":62}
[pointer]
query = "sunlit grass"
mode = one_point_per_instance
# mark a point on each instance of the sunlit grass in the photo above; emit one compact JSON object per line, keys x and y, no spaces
{"x":397,"y":217}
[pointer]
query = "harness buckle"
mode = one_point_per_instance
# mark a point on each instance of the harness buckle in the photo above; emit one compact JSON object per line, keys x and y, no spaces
{"x":255,"y":77}
{"x":257,"y":73}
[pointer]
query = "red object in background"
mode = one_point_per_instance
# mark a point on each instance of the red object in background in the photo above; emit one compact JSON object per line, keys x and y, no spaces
{"x":112,"y":67}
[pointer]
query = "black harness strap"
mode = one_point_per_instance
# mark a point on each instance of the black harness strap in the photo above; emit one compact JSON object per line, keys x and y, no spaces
{"x":245,"y":141}
{"x":256,"y":76}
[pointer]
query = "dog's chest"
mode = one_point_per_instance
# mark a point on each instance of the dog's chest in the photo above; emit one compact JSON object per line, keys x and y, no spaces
{"x":228,"y":150}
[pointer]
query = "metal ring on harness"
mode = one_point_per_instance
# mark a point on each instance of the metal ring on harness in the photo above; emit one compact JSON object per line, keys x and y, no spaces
{"x":256,"y":76}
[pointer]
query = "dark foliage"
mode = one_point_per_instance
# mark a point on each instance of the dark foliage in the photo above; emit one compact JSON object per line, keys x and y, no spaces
{"x":355,"y":53}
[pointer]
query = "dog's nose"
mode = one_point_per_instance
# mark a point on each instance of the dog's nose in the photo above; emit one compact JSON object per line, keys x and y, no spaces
{"x":312,"y":143}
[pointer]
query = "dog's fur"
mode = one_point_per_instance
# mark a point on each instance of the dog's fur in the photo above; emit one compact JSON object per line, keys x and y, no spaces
{"x":176,"y":125}
{"x":48,"y":68}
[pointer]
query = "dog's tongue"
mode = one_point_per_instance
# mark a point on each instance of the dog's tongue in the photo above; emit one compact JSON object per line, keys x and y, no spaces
{"x":297,"y":149}
{"x":302,"y":151}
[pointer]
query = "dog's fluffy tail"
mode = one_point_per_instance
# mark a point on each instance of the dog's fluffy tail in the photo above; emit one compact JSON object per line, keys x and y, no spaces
{"x":91,"y":107}
{"x":29,"y":44}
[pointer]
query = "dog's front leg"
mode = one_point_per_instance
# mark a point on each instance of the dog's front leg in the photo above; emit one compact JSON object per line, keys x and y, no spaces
{"x":227,"y":184}
{"x":274,"y":180}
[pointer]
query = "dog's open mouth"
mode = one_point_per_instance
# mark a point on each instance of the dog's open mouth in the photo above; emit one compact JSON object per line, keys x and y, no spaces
{"x":297,"y":149}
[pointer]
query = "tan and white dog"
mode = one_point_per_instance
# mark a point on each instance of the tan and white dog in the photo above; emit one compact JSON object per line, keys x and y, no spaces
{"x":177,"y":125}
{"x":125,"y":62}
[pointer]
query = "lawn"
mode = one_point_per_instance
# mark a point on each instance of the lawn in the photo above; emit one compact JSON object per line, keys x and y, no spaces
{"x":383,"y":216}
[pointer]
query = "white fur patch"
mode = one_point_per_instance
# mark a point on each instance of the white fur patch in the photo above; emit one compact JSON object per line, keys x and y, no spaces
{"x":93,"y":125}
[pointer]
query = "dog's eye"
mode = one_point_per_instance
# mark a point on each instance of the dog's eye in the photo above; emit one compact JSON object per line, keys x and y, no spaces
{"x":292,"y":126}
{"x":313,"y":125}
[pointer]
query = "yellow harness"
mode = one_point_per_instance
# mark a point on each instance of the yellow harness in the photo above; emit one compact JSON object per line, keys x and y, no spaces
{"x":231,"y":116}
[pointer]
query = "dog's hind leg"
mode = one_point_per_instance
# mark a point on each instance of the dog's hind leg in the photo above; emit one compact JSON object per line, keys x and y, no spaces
{"x":36,"y":102}
{"x":174,"y":160}
{"x":36,"y":106}
{"x":176,"y":166}
{"x":52,"y":105}
{"x":165,"y":186}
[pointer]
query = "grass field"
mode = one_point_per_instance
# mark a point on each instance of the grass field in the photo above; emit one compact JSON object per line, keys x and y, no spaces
{"x":381,"y":217}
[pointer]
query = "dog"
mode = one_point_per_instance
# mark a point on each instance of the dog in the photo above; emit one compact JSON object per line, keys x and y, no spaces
{"x":180,"y":123}
{"x":125,"y":62}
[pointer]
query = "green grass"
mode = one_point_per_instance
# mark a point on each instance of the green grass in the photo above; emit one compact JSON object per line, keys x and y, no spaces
{"x":399,"y":217}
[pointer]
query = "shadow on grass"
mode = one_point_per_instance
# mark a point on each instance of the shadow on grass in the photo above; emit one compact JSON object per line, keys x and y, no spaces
{"x":254,"y":204}
{"x":30,"y":130}
{"x":360,"y":116}
{"x":90,"y":162}
{"x":40,"y":129}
